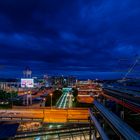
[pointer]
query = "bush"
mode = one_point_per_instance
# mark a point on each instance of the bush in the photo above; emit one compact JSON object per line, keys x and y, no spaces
{"x":75,"y":93}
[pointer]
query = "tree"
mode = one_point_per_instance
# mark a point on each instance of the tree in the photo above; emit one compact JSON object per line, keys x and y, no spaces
{"x":75,"y":93}
{"x":7,"y":95}
{"x":55,"y":96}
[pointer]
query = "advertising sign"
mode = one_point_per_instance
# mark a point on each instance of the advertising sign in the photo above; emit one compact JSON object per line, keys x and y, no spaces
{"x":29,"y":83}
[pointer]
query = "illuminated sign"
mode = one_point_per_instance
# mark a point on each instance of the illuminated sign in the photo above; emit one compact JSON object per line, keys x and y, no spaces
{"x":29,"y":83}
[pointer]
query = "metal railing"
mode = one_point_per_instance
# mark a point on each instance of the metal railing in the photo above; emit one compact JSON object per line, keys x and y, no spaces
{"x":98,"y":126}
{"x":126,"y":131}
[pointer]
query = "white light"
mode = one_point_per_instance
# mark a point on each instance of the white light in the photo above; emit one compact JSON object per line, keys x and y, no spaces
{"x":50,"y":126}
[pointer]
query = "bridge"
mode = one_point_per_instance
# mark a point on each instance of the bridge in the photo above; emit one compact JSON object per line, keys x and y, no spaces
{"x":45,"y":115}
{"x":127,"y":101}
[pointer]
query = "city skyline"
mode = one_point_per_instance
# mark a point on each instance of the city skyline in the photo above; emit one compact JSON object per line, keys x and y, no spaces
{"x":74,"y":37}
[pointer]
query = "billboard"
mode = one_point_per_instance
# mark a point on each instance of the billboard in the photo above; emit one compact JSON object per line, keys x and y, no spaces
{"x":29,"y":83}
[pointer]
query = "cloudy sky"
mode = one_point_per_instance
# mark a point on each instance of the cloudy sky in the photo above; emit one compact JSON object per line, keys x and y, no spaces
{"x":70,"y":37}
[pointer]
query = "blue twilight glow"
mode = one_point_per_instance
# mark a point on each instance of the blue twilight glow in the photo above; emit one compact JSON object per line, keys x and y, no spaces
{"x":69,"y":37}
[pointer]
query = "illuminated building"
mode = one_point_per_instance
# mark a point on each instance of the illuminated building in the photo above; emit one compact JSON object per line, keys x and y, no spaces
{"x":62,"y":80}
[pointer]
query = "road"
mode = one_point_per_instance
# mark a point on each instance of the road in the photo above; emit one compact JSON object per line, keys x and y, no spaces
{"x":65,"y":99}
{"x":47,"y":115}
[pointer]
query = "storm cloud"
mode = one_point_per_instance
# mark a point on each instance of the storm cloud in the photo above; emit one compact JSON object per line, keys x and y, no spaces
{"x":68,"y":36}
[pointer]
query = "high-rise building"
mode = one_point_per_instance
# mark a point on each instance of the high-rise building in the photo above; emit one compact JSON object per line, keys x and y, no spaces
{"x":62,"y":80}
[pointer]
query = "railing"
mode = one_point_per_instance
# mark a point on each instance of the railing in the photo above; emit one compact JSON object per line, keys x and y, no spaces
{"x":98,"y":126}
{"x":126,"y":131}
{"x":43,"y":132}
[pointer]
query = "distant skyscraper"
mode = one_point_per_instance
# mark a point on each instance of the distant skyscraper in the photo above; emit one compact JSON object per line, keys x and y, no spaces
{"x":62,"y":80}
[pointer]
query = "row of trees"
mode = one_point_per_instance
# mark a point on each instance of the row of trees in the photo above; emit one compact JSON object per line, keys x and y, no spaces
{"x":7,"y":95}
{"x":75,"y":93}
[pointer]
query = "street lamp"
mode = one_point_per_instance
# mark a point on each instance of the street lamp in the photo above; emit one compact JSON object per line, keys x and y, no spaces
{"x":51,"y":100}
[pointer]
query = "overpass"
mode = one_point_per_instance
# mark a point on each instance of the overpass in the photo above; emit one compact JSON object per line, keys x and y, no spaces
{"x":45,"y":115}
{"x":126,"y":98}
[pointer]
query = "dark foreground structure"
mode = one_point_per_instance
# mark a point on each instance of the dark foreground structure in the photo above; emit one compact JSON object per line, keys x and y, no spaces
{"x":8,"y":130}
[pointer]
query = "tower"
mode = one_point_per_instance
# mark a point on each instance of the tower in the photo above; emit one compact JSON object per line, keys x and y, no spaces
{"x":27,"y":73}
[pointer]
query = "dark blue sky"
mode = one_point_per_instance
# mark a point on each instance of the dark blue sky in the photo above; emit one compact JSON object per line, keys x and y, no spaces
{"x":74,"y":37}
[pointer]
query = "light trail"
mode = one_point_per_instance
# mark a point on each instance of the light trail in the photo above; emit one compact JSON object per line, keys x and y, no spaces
{"x":57,"y":104}
{"x":62,"y":102}
{"x":65,"y":103}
